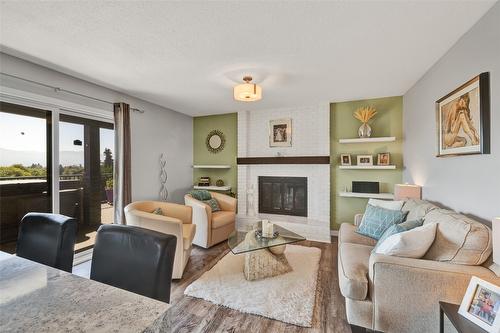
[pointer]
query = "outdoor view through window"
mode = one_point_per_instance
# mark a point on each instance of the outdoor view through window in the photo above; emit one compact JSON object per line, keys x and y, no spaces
{"x":85,"y":171}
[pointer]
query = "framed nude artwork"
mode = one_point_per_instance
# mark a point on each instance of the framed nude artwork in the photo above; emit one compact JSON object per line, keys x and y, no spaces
{"x":463,"y":119}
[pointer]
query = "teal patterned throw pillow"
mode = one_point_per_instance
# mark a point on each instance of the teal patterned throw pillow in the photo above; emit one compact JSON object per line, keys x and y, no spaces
{"x":396,"y":229}
{"x":376,"y":220}
{"x":158,"y":211}
{"x":201,"y":195}
{"x":213,"y":204}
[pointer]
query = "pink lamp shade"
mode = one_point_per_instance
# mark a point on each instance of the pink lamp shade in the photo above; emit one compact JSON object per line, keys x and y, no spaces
{"x":495,"y":230}
{"x":407,"y":191}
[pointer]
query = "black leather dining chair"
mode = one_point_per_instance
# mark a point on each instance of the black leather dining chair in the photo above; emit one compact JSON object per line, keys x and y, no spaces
{"x":135,"y":259}
{"x":48,"y":239}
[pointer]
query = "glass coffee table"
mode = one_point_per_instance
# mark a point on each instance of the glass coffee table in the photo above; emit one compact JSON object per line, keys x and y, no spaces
{"x":264,"y":257}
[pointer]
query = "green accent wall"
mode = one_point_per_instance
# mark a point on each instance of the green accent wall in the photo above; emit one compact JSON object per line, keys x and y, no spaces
{"x":227,"y":124}
{"x":387,"y":122}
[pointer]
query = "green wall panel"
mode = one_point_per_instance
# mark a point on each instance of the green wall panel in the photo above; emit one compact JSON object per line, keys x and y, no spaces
{"x":228,"y":124}
{"x":387,"y":122}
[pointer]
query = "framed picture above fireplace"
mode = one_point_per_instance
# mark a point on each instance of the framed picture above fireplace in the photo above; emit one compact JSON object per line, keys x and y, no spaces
{"x":280,"y":133}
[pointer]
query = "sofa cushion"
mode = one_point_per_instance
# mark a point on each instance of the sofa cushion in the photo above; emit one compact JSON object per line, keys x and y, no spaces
{"x":348,"y":234}
{"x":377,"y":219}
{"x":213,"y":204}
{"x":387,"y":204}
{"x":222,"y":218}
{"x":396,"y":229}
{"x":188,"y":232}
{"x":459,"y":239}
{"x":201,"y":194}
{"x":353,"y":270}
{"x":417,"y":209}
{"x":413,"y":243}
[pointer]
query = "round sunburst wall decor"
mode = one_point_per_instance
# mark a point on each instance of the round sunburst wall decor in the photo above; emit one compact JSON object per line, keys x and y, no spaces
{"x":215,"y":141}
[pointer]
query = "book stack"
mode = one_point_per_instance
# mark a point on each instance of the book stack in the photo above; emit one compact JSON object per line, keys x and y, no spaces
{"x":204,"y":181}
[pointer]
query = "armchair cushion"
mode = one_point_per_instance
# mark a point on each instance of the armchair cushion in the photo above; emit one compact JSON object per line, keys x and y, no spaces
{"x":201,"y":195}
{"x":353,"y":268}
{"x":222,"y":218}
{"x":213,"y":204}
{"x":188,"y":232}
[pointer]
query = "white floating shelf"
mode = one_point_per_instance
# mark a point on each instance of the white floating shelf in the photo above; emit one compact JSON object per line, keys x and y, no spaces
{"x":211,"y":166}
{"x":364,"y":167}
{"x":212,"y":188}
{"x":386,"y":196}
{"x":368,"y":140}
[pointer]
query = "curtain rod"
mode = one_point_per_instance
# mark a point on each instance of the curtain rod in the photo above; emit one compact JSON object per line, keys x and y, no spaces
{"x":58,"y":89}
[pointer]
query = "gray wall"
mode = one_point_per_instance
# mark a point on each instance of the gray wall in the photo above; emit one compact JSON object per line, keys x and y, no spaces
{"x":153,"y":132}
{"x":469,"y":184}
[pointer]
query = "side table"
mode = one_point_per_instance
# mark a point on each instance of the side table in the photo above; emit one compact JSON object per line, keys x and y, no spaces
{"x":461,"y":324}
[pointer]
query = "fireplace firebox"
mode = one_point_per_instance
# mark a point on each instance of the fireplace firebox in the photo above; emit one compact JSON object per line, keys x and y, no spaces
{"x":283,"y":195}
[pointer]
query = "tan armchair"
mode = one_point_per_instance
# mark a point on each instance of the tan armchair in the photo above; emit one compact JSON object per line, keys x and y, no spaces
{"x":212,"y":227}
{"x":176,"y":221}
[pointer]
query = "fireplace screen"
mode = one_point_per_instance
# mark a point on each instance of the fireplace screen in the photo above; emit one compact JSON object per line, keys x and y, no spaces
{"x":283,"y":195}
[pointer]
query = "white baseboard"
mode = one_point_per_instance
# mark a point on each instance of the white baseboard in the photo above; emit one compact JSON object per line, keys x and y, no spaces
{"x":334,"y":233}
{"x":83,"y":256}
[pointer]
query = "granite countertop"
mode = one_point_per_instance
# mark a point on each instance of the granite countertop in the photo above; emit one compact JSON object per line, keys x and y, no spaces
{"x":38,"y":298}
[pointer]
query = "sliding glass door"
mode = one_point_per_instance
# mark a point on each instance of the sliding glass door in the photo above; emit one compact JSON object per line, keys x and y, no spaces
{"x":83,"y":149}
{"x":25,"y":167}
{"x":85,"y":172}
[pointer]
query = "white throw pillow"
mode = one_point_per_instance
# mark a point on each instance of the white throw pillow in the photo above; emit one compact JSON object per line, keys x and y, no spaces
{"x":387,"y":204}
{"x":413,"y":243}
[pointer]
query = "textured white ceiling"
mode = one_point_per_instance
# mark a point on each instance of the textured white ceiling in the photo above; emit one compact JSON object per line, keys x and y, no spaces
{"x":188,"y":55}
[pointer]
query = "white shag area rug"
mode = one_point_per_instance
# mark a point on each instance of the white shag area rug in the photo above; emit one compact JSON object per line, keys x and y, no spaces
{"x":289,"y":297}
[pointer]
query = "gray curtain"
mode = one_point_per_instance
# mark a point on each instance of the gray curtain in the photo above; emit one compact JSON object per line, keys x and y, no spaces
{"x":122,"y":189}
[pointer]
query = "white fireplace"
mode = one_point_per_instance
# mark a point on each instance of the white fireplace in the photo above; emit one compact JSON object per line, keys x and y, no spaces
{"x":310,"y":137}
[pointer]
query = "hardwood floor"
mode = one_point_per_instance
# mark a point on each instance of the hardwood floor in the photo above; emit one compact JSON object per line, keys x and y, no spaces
{"x":190,"y":314}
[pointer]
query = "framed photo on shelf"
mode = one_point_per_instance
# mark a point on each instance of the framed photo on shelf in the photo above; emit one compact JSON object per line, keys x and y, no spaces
{"x":481,"y":304}
{"x":345,"y":159}
{"x":365,"y":160}
{"x":280,"y":133}
{"x":463,"y":119}
{"x":384,"y":159}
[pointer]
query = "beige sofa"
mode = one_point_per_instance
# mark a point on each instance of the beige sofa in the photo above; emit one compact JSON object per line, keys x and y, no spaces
{"x":176,"y":221}
{"x":392,"y":294}
{"x":213,"y":227}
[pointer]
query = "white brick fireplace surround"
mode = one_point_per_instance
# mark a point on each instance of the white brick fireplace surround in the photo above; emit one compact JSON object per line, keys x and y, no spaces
{"x":310,"y":137}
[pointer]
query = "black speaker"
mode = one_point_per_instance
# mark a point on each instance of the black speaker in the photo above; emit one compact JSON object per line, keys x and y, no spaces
{"x":365,"y":187}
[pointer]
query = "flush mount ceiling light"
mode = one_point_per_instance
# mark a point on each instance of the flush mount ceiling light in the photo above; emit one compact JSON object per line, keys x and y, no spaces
{"x":247,"y":92}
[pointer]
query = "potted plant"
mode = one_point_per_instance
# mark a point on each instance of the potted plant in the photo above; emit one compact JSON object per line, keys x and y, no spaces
{"x":109,"y":190}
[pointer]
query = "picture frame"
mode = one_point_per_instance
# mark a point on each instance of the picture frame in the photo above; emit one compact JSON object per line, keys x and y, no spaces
{"x":280,"y":133}
{"x":365,"y":160}
{"x":384,"y":159}
{"x":463,"y":119}
{"x":345,"y":159}
{"x":479,"y":304}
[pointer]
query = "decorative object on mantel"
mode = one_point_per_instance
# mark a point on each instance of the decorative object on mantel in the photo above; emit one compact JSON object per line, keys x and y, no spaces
{"x":364,"y":115}
{"x":280,"y":133}
{"x":365,"y":159}
{"x":215,"y":141}
{"x":247,"y":92}
{"x":345,"y":159}
{"x":219,"y":182}
{"x":407,"y":191}
{"x":479,"y":304}
{"x":463,"y":119}
{"x":495,"y":232}
{"x":383,"y":159}
{"x":163,"y":178}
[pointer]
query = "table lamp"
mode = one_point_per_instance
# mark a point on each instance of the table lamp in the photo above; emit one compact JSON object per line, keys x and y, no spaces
{"x":495,"y":231}
{"x":407,"y":191}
